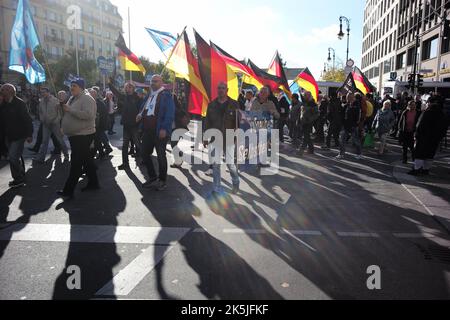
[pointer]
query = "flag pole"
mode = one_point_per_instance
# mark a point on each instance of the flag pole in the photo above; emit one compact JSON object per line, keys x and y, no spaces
{"x":171,"y":52}
{"x":129,"y":39}
{"x":76,"y":53}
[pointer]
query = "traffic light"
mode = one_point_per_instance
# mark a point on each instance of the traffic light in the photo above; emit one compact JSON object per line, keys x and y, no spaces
{"x":411,"y":81}
{"x":419,"y":81}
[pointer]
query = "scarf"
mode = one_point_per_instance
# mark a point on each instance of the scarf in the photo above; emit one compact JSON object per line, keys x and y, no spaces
{"x":150,"y":105}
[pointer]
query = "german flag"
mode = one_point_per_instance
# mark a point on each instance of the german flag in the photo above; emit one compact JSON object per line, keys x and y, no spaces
{"x":185,"y":66}
{"x":276,"y":68}
{"x":361,"y":82}
{"x":215,"y":69}
{"x":306,"y":81}
{"x":128,"y":60}
{"x":260,"y":78}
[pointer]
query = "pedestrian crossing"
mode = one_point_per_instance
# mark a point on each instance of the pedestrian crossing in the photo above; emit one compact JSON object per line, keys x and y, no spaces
{"x":159,"y":236}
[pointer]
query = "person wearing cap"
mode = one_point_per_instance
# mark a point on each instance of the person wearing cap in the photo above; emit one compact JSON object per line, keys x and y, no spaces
{"x":130,"y":106}
{"x":17,"y":128}
{"x":78,"y":124}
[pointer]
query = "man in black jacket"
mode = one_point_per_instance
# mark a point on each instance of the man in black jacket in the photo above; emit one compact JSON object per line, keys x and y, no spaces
{"x":18,"y":128}
{"x":283,"y":109}
{"x":101,"y":140}
{"x":130,"y":106}
{"x":431,"y":129}
{"x":351,"y":116}
{"x":335,"y":120}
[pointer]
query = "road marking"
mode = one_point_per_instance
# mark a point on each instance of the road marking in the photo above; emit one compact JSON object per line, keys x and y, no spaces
{"x":359,"y":234}
{"x":129,"y":277}
{"x":303,"y":232}
{"x":91,"y":234}
{"x":414,"y":235}
{"x":244,"y":231}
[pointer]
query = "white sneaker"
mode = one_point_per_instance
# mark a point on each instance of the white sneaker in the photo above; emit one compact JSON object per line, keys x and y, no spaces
{"x":209,"y":172}
{"x":340,"y":157}
{"x":358,"y":157}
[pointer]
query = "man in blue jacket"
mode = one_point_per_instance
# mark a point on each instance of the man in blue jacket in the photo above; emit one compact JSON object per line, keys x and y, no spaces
{"x":157,"y":117}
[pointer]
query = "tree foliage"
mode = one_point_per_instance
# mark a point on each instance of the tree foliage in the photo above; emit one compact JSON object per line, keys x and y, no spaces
{"x":336,"y":75}
{"x":151,"y":68}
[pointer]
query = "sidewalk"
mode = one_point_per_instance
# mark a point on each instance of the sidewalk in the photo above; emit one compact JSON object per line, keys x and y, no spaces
{"x":432,"y":192}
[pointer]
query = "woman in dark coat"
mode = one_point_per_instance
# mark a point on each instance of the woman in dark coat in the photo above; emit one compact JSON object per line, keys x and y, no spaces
{"x":431,"y":129}
{"x":407,"y":127}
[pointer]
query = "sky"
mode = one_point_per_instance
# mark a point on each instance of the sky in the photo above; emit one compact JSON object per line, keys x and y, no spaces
{"x":301,"y":30}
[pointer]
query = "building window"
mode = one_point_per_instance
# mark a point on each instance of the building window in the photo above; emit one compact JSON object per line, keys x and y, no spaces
{"x":81,"y":42}
{"x":429,"y":50}
{"x":401,"y":61}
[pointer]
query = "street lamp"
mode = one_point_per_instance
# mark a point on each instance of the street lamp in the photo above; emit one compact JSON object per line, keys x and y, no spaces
{"x":334,"y":57}
{"x":341,"y":33}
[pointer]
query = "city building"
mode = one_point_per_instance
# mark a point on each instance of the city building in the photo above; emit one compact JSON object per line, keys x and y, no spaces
{"x":433,"y":52}
{"x":389,"y":44}
{"x":380,"y":40}
{"x":100,"y":23}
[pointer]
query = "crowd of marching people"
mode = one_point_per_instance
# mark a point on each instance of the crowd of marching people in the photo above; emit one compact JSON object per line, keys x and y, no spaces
{"x":86,"y":116}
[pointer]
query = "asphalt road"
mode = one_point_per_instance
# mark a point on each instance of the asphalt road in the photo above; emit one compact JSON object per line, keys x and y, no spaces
{"x":309,"y":232}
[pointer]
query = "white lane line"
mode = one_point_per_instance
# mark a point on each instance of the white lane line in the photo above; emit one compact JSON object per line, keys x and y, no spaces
{"x":359,"y":234}
{"x":244,"y":231}
{"x":91,"y":234}
{"x":129,"y":277}
{"x":414,"y":235}
{"x":303,"y":232}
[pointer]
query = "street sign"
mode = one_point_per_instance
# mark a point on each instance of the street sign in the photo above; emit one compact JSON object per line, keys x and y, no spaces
{"x":148,"y":78}
{"x":105,"y":66}
{"x":120,"y":80}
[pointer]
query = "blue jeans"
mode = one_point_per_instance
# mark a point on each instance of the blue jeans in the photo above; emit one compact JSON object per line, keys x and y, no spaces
{"x":15,"y":151}
{"x":47,"y":131}
{"x":217,"y":175}
{"x":356,"y":140}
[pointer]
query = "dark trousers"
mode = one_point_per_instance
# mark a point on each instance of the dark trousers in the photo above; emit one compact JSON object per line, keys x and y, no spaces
{"x":81,"y":158}
{"x":129,"y":134}
{"x":16,"y":164}
{"x":408,"y":143}
{"x":319,"y":127}
{"x":307,"y":142}
{"x":150,"y":142}
{"x":3,"y":147}
{"x":112,"y":120}
{"x":39,"y":137}
{"x":333,"y":133}
{"x":101,"y":143}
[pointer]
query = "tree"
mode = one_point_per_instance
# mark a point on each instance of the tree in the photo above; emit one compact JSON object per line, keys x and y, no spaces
{"x":68,"y":65}
{"x":153,"y":68}
{"x":336,"y":75}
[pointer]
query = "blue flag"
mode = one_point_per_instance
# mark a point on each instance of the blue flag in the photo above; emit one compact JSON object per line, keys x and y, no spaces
{"x":164,"y":40}
{"x":24,"y":40}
